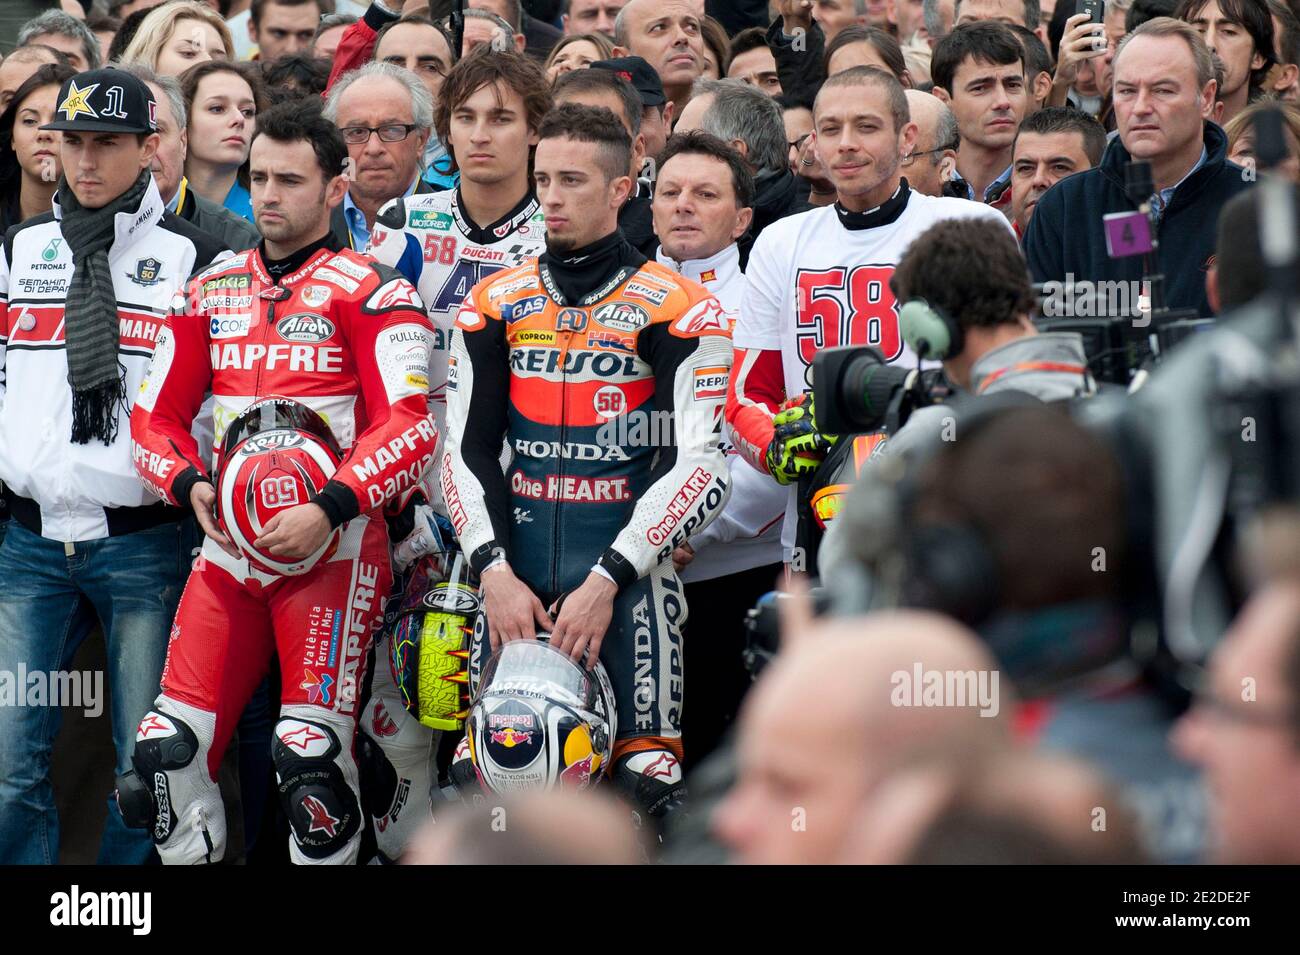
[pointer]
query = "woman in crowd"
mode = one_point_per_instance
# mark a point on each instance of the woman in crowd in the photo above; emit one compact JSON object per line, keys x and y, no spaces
{"x":577,"y":52}
{"x":29,"y":155}
{"x":717,"y":49}
{"x":1241,"y":137}
{"x":223,"y":100}
{"x":179,"y":35}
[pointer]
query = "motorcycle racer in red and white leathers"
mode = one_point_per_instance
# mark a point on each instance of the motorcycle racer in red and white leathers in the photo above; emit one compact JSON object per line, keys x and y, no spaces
{"x":301,"y":319}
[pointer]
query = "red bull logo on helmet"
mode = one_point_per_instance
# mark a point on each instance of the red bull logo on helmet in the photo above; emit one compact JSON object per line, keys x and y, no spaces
{"x":510,"y":737}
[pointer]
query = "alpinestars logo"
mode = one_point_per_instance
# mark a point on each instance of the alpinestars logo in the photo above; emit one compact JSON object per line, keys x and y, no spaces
{"x":319,"y":817}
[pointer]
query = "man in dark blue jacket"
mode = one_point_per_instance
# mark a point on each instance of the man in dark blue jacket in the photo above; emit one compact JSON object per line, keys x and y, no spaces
{"x":1164,"y":86}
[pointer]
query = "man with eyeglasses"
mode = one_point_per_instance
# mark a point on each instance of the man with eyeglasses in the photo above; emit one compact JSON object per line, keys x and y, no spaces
{"x":931,"y":164}
{"x":1244,"y":732}
{"x":386,"y":117}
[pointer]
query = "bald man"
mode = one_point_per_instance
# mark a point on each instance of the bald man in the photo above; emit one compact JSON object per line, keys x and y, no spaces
{"x":837,"y":712}
{"x":666,"y":34}
{"x":19,"y":65}
{"x":1016,"y":808}
{"x":532,"y":827}
{"x":934,"y":158}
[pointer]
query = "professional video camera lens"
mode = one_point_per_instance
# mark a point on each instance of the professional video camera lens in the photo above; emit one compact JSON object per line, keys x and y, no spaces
{"x":853,"y":388}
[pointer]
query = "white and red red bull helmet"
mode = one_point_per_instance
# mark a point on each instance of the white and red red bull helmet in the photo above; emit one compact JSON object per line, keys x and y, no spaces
{"x":274,"y":456}
{"x":540,"y":719}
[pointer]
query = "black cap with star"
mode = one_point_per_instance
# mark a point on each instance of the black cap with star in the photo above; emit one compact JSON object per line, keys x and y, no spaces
{"x":640,"y":74}
{"x":107,"y":100}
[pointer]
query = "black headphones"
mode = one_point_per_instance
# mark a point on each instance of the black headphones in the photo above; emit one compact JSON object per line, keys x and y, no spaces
{"x":930,"y":331}
{"x":950,"y":567}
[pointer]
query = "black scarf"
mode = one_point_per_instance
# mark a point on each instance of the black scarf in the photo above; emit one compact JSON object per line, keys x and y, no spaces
{"x":577,"y":273}
{"x":97,"y":377}
{"x":279,"y":268}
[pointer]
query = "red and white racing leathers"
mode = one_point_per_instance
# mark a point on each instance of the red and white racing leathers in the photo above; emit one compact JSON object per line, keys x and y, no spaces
{"x":350,"y":339}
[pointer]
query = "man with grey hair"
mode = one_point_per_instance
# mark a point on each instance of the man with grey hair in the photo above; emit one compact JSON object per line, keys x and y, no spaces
{"x":749,"y":120}
{"x":539,"y":37}
{"x":1164,"y":87}
{"x":65,"y":33}
{"x":931,"y":164}
{"x":939,"y":15}
{"x":386,"y":116}
{"x":233,"y":231}
{"x":483,"y":27}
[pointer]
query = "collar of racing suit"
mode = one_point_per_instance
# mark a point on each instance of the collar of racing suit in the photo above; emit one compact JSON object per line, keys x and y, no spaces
{"x":586,"y":275}
{"x":495,"y":231}
{"x":277,"y":269}
{"x":883,"y":214}
{"x":719,"y":273}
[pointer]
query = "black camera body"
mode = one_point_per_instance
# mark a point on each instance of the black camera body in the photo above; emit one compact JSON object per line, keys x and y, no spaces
{"x":856,"y":392}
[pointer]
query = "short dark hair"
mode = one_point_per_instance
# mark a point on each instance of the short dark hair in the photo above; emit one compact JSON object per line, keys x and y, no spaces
{"x":873,"y":76}
{"x":418,"y":21}
{"x":750,"y":38}
{"x":884,"y":44}
{"x":126,"y":33}
{"x":1033,"y":12}
{"x":985,"y":42}
{"x":302,"y":120}
{"x":697,"y":142}
{"x":1043,"y":492}
{"x":1238,"y":257}
{"x":1144,"y":10}
{"x":1254,"y":18}
{"x":595,"y":125}
{"x":1067,"y":119}
{"x":603,"y":81}
{"x":1288,"y":43}
{"x":977,"y":290}
{"x":257,"y":6}
{"x":1037,"y":59}
{"x":485,"y":66}
{"x":294,"y":76}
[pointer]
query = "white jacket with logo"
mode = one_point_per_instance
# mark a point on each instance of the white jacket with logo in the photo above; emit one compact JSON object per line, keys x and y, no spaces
{"x":747,"y":533}
{"x":152,"y":256}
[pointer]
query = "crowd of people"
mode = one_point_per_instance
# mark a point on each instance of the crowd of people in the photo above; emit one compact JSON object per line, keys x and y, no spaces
{"x":456,"y":253}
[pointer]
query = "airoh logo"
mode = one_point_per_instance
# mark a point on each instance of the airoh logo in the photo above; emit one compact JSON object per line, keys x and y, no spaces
{"x":271,"y":441}
{"x":305,"y":327}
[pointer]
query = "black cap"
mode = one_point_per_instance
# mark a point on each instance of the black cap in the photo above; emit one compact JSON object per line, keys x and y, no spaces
{"x":108,"y":100}
{"x":640,"y":74}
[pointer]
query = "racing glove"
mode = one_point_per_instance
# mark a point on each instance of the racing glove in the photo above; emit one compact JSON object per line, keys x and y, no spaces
{"x":797,"y":447}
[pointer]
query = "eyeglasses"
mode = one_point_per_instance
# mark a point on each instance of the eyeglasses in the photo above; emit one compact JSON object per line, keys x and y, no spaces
{"x":909,"y":159}
{"x":798,"y":143}
{"x":391,"y":133}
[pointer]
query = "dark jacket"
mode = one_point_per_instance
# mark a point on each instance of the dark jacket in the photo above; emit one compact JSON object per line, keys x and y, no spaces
{"x":234,"y":232}
{"x":636,"y":219}
{"x":776,"y":195}
{"x":737,"y":15}
{"x":539,"y":37}
{"x":1066,"y":234}
{"x":339,"y":224}
{"x":802,"y":71}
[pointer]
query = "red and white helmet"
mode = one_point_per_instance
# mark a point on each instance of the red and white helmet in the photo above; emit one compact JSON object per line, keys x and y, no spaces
{"x":274,"y":456}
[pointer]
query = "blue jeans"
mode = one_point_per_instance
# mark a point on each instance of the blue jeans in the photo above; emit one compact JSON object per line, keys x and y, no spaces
{"x":49,"y":600}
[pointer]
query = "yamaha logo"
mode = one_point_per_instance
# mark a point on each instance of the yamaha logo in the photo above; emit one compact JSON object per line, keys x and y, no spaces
{"x":307,"y":327}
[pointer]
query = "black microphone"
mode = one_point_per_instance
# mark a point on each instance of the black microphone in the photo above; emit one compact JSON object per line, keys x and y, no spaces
{"x":1138,"y":184}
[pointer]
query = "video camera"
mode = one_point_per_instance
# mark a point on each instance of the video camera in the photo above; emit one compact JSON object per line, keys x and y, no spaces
{"x":855,"y":391}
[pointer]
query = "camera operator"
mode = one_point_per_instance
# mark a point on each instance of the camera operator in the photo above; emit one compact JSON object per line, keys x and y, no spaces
{"x":981,"y":305}
{"x":1164,"y":84}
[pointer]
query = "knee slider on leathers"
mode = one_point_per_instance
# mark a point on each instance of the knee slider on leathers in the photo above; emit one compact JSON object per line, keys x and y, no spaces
{"x":144,"y":796}
{"x":321,"y":806}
